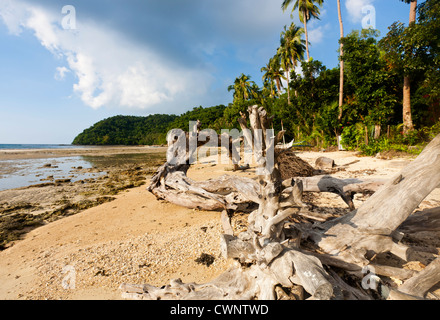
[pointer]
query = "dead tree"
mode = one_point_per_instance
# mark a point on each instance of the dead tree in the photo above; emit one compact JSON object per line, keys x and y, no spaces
{"x":372,"y":226}
{"x":270,"y":256}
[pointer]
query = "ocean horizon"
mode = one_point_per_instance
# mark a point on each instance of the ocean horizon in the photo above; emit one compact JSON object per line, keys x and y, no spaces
{"x":37,"y":146}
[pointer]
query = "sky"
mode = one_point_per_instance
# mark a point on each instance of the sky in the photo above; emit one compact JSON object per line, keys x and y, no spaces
{"x":67,"y":64}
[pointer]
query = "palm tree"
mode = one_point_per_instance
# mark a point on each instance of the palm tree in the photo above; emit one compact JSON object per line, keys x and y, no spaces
{"x":256,"y":93}
{"x":306,"y":9}
{"x":277,"y":72}
{"x":269,"y":88}
{"x":341,"y":74}
{"x":273,"y":73}
{"x":291,"y":50}
{"x":268,"y":79}
{"x":242,"y":87}
{"x":341,"y":63}
{"x":407,"y":117}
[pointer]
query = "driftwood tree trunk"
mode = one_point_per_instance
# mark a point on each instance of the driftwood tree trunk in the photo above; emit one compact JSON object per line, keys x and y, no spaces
{"x":271,"y":255}
{"x":371,"y":226}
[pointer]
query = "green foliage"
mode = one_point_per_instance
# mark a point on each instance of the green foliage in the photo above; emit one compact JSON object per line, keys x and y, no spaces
{"x":127,"y":130}
{"x":353,"y":136}
{"x":272,"y":76}
{"x":418,"y":136}
{"x":373,"y":148}
{"x":327,"y":121}
{"x":209,"y":118}
{"x":150,"y":130}
{"x":308,"y":107}
{"x":243,"y":87}
{"x":371,"y":88}
{"x":415,"y":51}
{"x":313,"y":101}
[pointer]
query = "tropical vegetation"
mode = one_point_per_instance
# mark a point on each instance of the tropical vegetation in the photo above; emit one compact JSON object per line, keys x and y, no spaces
{"x":126,"y":130}
{"x":385,"y":93}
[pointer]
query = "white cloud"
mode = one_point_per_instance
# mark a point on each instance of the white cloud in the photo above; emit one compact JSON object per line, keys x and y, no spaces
{"x":299,"y":70}
{"x":41,"y":22}
{"x":61,"y":73}
{"x":316,"y":35}
{"x":109,"y":70}
{"x":354,"y":8}
{"x":11,"y":13}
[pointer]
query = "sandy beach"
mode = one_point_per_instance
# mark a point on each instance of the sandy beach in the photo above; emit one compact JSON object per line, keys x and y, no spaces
{"x":135,"y":238}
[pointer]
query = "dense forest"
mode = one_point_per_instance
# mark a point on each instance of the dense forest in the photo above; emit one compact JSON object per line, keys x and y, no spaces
{"x":150,"y":130}
{"x":384,"y":95}
{"x":126,"y":130}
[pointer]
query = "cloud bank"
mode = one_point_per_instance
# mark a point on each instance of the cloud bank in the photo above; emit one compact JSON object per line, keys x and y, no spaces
{"x":149,"y":54}
{"x":108,"y":68}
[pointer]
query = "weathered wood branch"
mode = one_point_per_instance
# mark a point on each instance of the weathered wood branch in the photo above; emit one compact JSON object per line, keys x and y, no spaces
{"x":236,"y":283}
{"x":423,"y":281}
{"x":425,"y":220}
{"x":269,"y":254}
{"x":345,"y":188}
{"x":370,"y":227}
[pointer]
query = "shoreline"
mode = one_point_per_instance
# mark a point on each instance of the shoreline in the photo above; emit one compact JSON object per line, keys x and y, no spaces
{"x":19,"y":154}
{"x":136,"y":238}
{"x":47,"y":185}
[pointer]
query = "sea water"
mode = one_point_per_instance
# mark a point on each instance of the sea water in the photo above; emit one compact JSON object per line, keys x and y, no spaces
{"x":39,"y":146}
{"x":27,"y":172}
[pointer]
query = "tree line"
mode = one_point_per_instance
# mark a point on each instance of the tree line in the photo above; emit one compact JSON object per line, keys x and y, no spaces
{"x":149,"y":130}
{"x":384,"y":93}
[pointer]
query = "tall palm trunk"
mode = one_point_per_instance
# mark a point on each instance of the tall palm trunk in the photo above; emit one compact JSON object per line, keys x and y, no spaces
{"x":412,"y":13}
{"x":341,"y":75}
{"x":278,"y":83}
{"x":407,"y":117}
{"x":306,"y":35}
{"x":288,"y":87}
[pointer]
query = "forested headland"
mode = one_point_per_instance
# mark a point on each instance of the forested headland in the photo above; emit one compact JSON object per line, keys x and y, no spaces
{"x":384,"y":95}
{"x":149,"y":130}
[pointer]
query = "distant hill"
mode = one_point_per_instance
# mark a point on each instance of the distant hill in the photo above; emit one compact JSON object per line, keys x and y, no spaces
{"x":149,"y":130}
{"x":209,"y":118}
{"x":127,"y":130}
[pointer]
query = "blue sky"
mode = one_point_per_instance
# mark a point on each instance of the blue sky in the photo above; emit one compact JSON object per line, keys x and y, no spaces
{"x":62,"y":71}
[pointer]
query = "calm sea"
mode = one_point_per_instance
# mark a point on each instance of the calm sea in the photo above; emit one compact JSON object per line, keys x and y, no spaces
{"x":25,"y":172}
{"x":37,"y":146}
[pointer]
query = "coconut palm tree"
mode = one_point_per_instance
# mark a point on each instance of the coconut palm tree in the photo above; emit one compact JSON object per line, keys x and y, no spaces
{"x":291,"y":50}
{"x":256,"y":93}
{"x":242,"y":87}
{"x":407,"y":116}
{"x":277,"y":72}
{"x":341,"y":63}
{"x":273,"y":74}
{"x":269,"y":89}
{"x":341,"y":74}
{"x":306,"y":9}
{"x":268,"y":79}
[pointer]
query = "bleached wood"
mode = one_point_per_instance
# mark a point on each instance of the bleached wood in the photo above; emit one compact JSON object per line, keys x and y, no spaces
{"x":423,"y":281}
{"x":226,"y":223}
{"x":269,"y":253}
{"x":324,"y":163}
{"x":370,"y":226}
